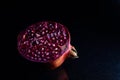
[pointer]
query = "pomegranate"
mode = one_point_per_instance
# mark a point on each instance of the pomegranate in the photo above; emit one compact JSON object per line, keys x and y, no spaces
{"x":46,"y":42}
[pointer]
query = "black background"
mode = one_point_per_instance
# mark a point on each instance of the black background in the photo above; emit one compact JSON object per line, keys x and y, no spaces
{"x":94,"y":28}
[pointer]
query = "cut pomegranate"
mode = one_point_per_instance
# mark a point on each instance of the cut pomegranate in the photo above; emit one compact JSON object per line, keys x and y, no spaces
{"x":46,"y":42}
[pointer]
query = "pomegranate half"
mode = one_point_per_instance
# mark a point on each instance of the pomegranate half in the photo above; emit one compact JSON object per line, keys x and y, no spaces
{"x":46,"y":42}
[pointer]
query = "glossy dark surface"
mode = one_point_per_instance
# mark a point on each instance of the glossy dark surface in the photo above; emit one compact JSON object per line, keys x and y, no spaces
{"x":94,"y":28}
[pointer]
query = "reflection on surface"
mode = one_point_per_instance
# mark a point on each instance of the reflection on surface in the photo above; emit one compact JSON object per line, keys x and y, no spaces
{"x":59,"y":75}
{"x":35,"y":74}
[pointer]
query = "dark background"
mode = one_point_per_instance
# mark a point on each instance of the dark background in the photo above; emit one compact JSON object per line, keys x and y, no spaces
{"x":94,"y":27}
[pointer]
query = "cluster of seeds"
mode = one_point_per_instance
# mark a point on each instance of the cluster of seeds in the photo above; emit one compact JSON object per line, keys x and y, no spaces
{"x":42,"y":42}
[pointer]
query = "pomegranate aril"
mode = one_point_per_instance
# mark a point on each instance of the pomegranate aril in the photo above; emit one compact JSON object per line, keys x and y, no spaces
{"x":57,"y":56}
{"x":32,"y":57}
{"x":61,"y":37}
{"x":53,"y":40}
{"x":45,"y":42}
{"x":44,"y":59}
{"x":56,"y":49}
{"x":64,"y":34}
{"x":35,"y":55}
{"x":55,"y":34}
{"x":41,"y":40}
{"x":47,"y":53}
{"x":38,"y":56}
{"x":37,"y":35}
{"x":51,"y":34}
{"x":56,"y":52}
{"x":29,"y":50}
{"x":38,"y":53}
{"x":58,"y":33}
{"x":27,"y":55}
{"x":43,"y":33}
{"x":53,"y":45}
{"x":35,"y":58}
{"x":39,"y":59}
{"x":48,"y":57}
{"x":43,"y":29}
{"x":48,"y":36}
{"x":51,"y":25}
{"x":65,"y":38}
{"x":61,"y":42}
{"x":43,"y":55}
{"x":56,"y":26}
